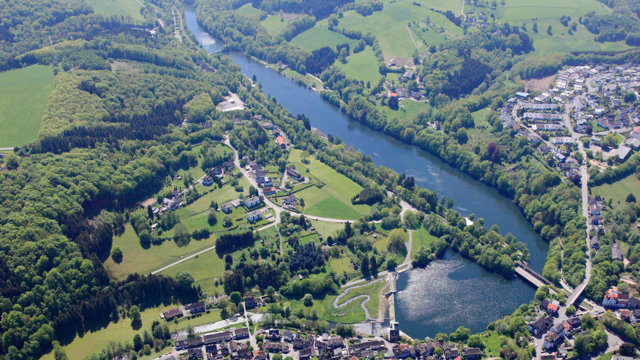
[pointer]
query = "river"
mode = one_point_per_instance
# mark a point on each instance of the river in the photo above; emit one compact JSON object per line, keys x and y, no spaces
{"x":448,"y":293}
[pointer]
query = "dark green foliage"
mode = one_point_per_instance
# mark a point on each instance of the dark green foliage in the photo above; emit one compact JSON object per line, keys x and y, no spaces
{"x":368,"y":196}
{"x":228,"y":243}
{"x":307,"y":256}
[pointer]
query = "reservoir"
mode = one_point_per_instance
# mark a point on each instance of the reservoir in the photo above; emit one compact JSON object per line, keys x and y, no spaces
{"x":448,"y":293}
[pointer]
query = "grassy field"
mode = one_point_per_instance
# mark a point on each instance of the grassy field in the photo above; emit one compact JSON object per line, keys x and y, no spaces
{"x":409,"y":109}
{"x":619,"y":190}
{"x":248,"y":10}
{"x":351,"y":313}
{"x":362,"y":66}
{"x":23,"y":99}
{"x":318,"y":37}
{"x":421,"y":237}
{"x":326,"y":228}
{"x":332,"y":200}
{"x":274,"y":24}
{"x":118,"y":7}
{"x":138,"y":260}
{"x":205,"y":269}
{"x":390,"y":25}
{"x":93,"y":342}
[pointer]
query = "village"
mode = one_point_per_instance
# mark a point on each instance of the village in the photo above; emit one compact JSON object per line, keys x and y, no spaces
{"x":591,"y":105}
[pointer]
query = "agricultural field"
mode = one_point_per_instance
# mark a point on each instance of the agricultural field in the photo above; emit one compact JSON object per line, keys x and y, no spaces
{"x":23,"y":99}
{"x":92,"y":342}
{"x":118,"y":7}
{"x":617,"y":192}
{"x":390,"y":26}
{"x":362,"y":66}
{"x":332,"y":200}
{"x":318,"y":37}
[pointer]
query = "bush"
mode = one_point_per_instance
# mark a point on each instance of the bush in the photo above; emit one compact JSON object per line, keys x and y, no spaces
{"x":308,"y":300}
{"x":116,"y":255}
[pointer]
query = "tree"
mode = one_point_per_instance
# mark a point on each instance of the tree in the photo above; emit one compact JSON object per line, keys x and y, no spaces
{"x":227,"y":222}
{"x":145,"y":239}
{"x":629,"y":97}
{"x":58,"y":352}
{"x":549,"y":31}
{"x":631,"y":198}
{"x":116,"y":255}
{"x":307,"y":300}
{"x":12,"y":161}
{"x":535,"y":27}
{"x":137,"y":342}
{"x":393,"y":103}
{"x":364,"y":266}
{"x":571,"y":310}
{"x":391,"y":265}
{"x":475,"y":341}
{"x":134,"y":315}
{"x":185,"y":279}
{"x":373,"y":265}
{"x":212,"y":218}
{"x":181,"y":235}
{"x":235,"y":297}
{"x":461,"y":334}
{"x":396,"y":242}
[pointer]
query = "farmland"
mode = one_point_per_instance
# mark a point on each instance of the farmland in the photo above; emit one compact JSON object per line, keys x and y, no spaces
{"x":118,"y":7}
{"x":23,"y":99}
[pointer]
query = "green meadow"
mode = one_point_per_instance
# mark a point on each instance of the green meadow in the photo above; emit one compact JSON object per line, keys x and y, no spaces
{"x":274,"y":24}
{"x":118,"y":7}
{"x":23,"y":99}
{"x":333,"y":200}
{"x":617,"y":192}
{"x":362,"y":66}
{"x":318,"y":37}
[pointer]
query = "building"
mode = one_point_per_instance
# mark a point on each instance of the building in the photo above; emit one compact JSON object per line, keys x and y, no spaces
{"x":552,"y":340}
{"x":227,"y":208}
{"x":292,"y":172}
{"x":290,"y":201}
{"x":242,"y":333}
{"x":394,"y":335}
{"x":472,"y":353}
{"x":252,"y":202}
{"x":281,"y":142}
{"x":172,"y":314}
{"x":540,"y":326}
{"x":196,"y":308}
{"x":616,"y":252}
{"x":207,"y":181}
{"x":623,"y":152}
{"x":250,"y":302}
{"x":264,"y":181}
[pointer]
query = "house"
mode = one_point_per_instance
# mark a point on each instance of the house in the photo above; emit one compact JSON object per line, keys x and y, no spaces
{"x":402,"y":351}
{"x":425,"y":349}
{"x":595,"y":243}
{"x":273,"y":334}
{"x":252,"y":202}
{"x":614,"y":298}
{"x":227,"y":208}
{"x":193,"y":354}
{"x":207,"y":181}
{"x":250,"y":302}
{"x":264,"y":181}
{"x":290,"y":201}
{"x":540,"y":326}
{"x":259,"y":355}
{"x":242,"y":333}
{"x":552,"y":340}
{"x":616,"y":252}
{"x":269,"y":190}
{"x":217,"y":337}
{"x":335,"y":342}
{"x":625,"y":315}
{"x":306,"y":354}
{"x":254,"y":216}
{"x":171,"y":314}
{"x":623,"y":152}
{"x":281,"y":142}
{"x":273,"y":347}
{"x":291,"y":171}
{"x":472,"y":353}
{"x":182,"y":344}
{"x":558,"y":329}
{"x":196,"y":308}
{"x":288,"y":336}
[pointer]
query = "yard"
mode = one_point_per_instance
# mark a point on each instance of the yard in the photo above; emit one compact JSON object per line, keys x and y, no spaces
{"x":118,"y":7}
{"x":619,"y":190}
{"x":23,"y":99}
{"x":333,"y":200}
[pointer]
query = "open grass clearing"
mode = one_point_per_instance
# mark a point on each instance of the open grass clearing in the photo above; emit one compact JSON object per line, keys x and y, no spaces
{"x":118,"y":7}
{"x":136,"y":259}
{"x":205,"y":269}
{"x":332,"y":200}
{"x":274,"y":24}
{"x":83,"y":347}
{"x":362,"y":66}
{"x":618,"y":191}
{"x":409,"y":109}
{"x":326,"y":228}
{"x":421,"y":238}
{"x":23,"y":99}
{"x":320,"y":36}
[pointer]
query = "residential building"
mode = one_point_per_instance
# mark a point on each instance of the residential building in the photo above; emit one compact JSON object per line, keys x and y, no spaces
{"x":254,"y":216}
{"x":252,"y":202}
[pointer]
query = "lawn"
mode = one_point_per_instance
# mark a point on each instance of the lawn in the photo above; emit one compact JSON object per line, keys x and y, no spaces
{"x":83,"y":347}
{"x":619,"y":190}
{"x":492,"y":344}
{"x":333,"y":200}
{"x":248,"y":10}
{"x":138,"y":260}
{"x":118,"y":7}
{"x":362,"y":66}
{"x":421,"y":237}
{"x":205,"y":269}
{"x":409,"y":109}
{"x":318,"y":37}
{"x":23,"y":99}
{"x":326,"y":228}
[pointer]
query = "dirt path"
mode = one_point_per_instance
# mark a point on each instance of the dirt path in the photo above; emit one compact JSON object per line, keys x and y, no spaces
{"x":415,"y":44}
{"x":183,"y":260}
{"x":365,"y":298}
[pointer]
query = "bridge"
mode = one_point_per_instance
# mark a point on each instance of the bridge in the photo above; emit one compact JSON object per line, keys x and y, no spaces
{"x":530,"y":275}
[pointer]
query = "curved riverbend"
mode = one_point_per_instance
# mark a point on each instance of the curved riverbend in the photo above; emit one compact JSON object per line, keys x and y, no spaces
{"x":448,"y":293}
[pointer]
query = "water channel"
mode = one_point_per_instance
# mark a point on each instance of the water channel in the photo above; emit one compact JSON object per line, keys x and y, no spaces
{"x":448,"y":293}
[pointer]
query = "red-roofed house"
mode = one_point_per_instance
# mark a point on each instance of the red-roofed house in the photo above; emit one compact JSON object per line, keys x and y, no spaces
{"x":280,"y":140}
